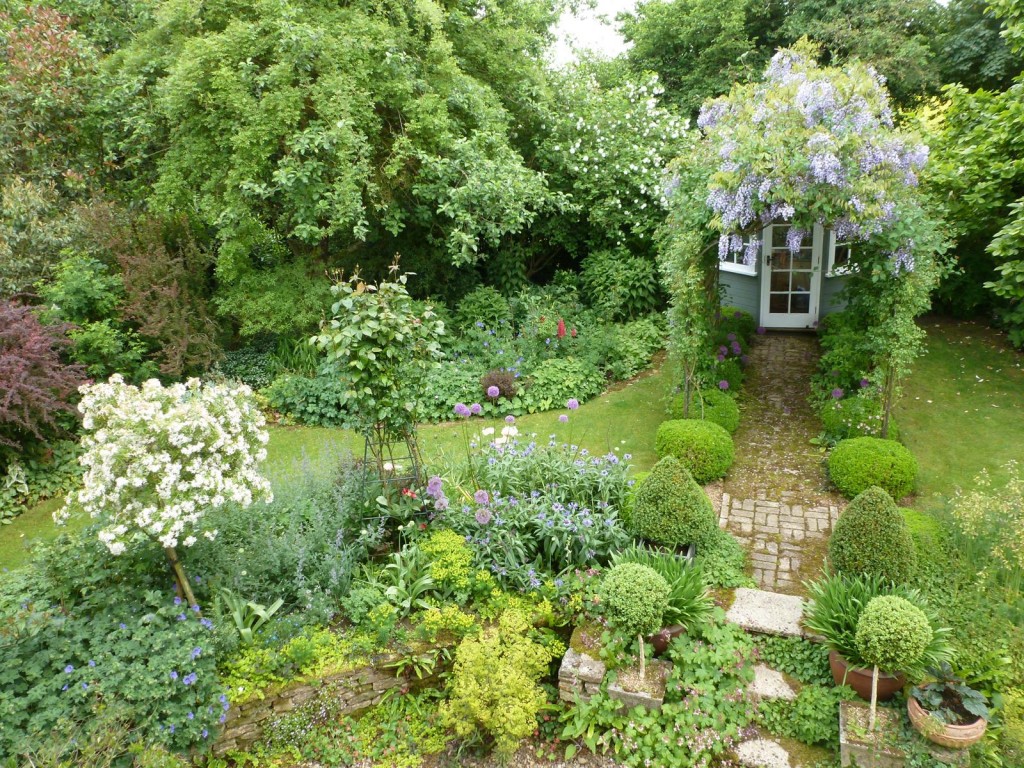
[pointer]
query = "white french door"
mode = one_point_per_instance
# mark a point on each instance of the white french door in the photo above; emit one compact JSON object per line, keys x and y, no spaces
{"x":790,"y":282}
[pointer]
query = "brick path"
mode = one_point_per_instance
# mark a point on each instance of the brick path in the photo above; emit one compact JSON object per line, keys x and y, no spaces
{"x":776,"y":497}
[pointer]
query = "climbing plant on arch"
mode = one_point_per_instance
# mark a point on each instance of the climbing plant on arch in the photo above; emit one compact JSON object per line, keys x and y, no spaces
{"x":814,"y":145}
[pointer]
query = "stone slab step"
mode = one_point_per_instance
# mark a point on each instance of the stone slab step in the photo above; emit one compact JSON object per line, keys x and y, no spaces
{"x":768,"y":613}
{"x":770,"y":684}
{"x":762,"y":753}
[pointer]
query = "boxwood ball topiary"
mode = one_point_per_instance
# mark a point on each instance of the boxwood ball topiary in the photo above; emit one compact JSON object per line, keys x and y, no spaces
{"x":872,"y":538}
{"x":670,"y":508}
{"x":892,"y":633}
{"x":703,"y":447}
{"x":861,"y":462}
{"x":712,"y":405}
{"x":634,"y":598}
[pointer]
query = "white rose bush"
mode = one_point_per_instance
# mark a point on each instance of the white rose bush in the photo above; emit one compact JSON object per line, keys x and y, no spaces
{"x":157,"y":459}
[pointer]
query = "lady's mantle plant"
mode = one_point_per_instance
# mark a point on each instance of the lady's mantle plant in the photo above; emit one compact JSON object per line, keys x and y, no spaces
{"x":157,"y":459}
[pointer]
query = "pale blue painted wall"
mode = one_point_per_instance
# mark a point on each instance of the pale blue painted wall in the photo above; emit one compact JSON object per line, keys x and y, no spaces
{"x":744,"y":291}
{"x":830,"y":301}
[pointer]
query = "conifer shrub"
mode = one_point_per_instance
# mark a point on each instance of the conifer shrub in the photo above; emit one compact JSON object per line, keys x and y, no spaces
{"x":861,"y":462}
{"x":703,"y":447}
{"x":872,"y":538}
{"x":670,"y":508}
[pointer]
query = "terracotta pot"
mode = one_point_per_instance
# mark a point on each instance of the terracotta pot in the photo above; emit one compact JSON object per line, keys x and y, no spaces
{"x":664,"y":637}
{"x":953,"y":736}
{"x":860,"y":679}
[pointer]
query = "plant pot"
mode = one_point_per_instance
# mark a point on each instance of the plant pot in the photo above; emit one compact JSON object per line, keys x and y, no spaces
{"x":664,"y":637}
{"x":860,"y":679}
{"x":952,"y":736}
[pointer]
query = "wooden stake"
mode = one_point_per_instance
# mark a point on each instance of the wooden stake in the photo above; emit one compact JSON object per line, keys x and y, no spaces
{"x":184,"y":590}
{"x":643,"y":658}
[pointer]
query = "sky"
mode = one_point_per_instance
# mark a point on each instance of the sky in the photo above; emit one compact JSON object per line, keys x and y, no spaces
{"x":586,"y":29}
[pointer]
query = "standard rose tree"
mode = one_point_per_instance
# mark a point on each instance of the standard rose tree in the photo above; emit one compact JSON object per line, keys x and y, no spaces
{"x":157,"y":459}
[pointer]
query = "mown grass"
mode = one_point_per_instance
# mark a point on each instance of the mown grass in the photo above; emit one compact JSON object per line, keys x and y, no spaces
{"x":623,"y":419}
{"x":963,"y":408}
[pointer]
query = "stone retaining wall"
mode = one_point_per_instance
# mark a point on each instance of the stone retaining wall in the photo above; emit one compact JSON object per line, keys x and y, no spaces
{"x":353,"y":690}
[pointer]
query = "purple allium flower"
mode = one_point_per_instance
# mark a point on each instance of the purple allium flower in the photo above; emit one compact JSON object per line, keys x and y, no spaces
{"x":483,"y":516}
{"x":572,"y":404}
{"x":720,"y":357}
{"x":761,"y":330}
{"x":510,"y":419}
{"x":563,"y":418}
{"x":723,"y":350}
{"x":461,"y":410}
{"x":723,"y":385}
{"x":481,"y":497}
{"x":441,"y":504}
{"x":837,"y":393}
{"x":493,"y":391}
{"x":736,"y":348}
{"x":730,"y":337}
{"x":476,"y":409}
{"x":864,"y":383}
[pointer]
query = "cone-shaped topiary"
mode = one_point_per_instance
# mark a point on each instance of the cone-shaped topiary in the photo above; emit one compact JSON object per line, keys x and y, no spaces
{"x":703,"y":447}
{"x":872,"y":538}
{"x":893,"y":634}
{"x":860,"y":462}
{"x":670,"y":508}
{"x":634,"y":598}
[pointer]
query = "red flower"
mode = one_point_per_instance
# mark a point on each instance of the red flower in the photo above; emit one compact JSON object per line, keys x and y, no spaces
{"x":408,"y":492}
{"x":573,"y":333}
{"x":561,"y":328}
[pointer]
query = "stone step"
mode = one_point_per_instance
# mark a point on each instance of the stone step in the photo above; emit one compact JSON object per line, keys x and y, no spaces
{"x":762,"y":753}
{"x":768,"y":613}
{"x":770,"y":684}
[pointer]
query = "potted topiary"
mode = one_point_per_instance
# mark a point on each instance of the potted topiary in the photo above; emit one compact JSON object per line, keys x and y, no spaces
{"x":833,"y":613}
{"x":669,"y":508}
{"x":871,"y":538}
{"x":947,"y":711}
{"x":633,"y":599}
{"x":892,"y":634}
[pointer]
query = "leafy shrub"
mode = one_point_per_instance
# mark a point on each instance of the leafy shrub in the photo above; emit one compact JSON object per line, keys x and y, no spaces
{"x":252,"y":364}
{"x":37,"y":390}
{"x":620,"y":285}
{"x":723,"y":561}
{"x":39,"y":473}
{"x":554,"y":382}
{"x":447,"y":384}
{"x":318,"y":402}
{"x":104,"y":349}
{"x":846,"y":358}
{"x":671,"y":509}
{"x":856,"y":416}
{"x":712,"y":405}
{"x":483,"y":305}
{"x":688,"y":601}
{"x":495,"y":686}
{"x":451,"y":560}
{"x":811,"y":718}
{"x":634,"y":598}
{"x":892,"y":633}
{"x":729,"y":371}
{"x":153,"y":657}
{"x":83,"y":290}
{"x":871,"y":538}
{"x":1013,"y":726}
{"x":703,"y":447}
{"x":503,"y":379}
{"x":861,"y":462}
{"x":632,"y":346}
{"x":738,"y":321}
{"x":836,"y":605}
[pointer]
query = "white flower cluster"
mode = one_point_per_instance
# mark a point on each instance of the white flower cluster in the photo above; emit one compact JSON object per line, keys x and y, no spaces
{"x":158,"y":458}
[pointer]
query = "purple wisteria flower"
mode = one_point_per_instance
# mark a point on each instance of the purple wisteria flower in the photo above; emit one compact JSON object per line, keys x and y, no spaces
{"x":481,"y":497}
{"x":564,"y":418}
{"x":476,"y":409}
{"x":493,"y":391}
{"x":572,"y":404}
{"x":461,"y":410}
{"x":837,"y":394}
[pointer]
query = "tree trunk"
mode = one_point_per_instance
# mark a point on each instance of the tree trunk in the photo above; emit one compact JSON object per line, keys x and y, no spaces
{"x":184,"y":590}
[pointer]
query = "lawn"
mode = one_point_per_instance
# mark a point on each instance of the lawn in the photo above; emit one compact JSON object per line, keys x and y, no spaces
{"x":623,"y":419}
{"x":963,"y":408}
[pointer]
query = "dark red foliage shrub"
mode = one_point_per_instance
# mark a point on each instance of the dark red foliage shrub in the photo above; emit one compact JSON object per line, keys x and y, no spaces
{"x":37,"y":389}
{"x":504,"y":380}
